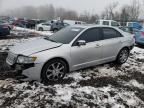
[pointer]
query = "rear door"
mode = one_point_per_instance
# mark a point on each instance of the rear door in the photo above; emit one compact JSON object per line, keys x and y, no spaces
{"x":112,"y":43}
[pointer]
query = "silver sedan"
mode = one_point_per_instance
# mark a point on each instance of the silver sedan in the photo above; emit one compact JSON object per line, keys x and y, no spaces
{"x":73,"y":48}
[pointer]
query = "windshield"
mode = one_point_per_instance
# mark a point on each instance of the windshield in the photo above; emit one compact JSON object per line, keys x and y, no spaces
{"x":66,"y":35}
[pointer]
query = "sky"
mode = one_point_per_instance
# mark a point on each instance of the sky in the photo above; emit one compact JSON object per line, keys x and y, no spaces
{"x":96,"y":6}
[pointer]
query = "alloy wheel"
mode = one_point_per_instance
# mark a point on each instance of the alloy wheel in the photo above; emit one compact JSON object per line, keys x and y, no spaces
{"x":55,"y":71}
{"x":123,"y":56}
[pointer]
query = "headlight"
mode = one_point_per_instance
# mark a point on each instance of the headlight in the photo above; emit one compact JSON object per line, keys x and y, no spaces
{"x":26,"y":60}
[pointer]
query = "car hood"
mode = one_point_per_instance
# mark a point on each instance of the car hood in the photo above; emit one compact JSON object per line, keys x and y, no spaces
{"x":34,"y":46}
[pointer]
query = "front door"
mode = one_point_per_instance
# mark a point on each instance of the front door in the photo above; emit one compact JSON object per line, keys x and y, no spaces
{"x":89,"y":54}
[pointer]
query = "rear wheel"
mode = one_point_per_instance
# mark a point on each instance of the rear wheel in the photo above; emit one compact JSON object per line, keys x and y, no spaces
{"x":54,"y":71}
{"x":122,"y":56}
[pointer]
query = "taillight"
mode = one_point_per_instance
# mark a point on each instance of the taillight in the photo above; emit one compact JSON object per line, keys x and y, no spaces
{"x":142,"y":33}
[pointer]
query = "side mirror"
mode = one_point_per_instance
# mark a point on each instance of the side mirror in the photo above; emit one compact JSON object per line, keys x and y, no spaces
{"x":81,"y":42}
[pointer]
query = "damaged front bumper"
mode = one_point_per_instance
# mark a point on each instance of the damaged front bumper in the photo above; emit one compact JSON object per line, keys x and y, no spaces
{"x":20,"y":68}
{"x":26,"y":72}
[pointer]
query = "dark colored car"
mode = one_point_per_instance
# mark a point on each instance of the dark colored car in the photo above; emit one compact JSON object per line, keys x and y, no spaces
{"x":3,"y":22}
{"x":26,"y":23}
{"x":4,"y":30}
{"x":20,"y":23}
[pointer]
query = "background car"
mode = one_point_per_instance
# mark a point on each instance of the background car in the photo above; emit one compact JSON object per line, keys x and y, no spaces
{"x":108,"y":23}
{"x":8,"y":24}
{"x":127,"y":29}
{"x":4,"y":30}
{"x":44,"y":26}
{"x":73,"y":22}
{"x":134,"y":25}
{"x":56,"y":26}
{"x":51,"y":26}
{"x":25,"y":23}
{"x":139,"y":37}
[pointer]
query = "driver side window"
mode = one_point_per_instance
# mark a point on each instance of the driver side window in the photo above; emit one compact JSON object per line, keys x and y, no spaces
{"x":90,"y":35}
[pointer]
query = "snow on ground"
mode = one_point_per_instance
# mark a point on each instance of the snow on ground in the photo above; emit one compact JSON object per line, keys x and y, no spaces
{"x":135,"y":84}
{"x":18,"y":31}
{"x":47,"y":33}
{"x":103,"y":86}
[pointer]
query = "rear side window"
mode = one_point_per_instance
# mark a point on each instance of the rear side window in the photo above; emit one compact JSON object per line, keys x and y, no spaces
{"x":91,"y":35}
{"x":109,"y":33}
{"x":105,"y":23}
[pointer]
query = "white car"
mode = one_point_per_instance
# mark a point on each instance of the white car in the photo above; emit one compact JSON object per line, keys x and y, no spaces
{"x":44,"y":26}
{"x":108,"y":23}
{"x":73,"y":22}
{"x":70,"y":49}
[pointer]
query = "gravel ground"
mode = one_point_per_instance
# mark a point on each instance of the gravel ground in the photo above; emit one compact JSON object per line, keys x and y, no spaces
{"x":104,"y":86}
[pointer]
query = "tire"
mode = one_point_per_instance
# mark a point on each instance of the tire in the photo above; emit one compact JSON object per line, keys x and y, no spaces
{"x":55,"y":30}
{"x":122,"y":56}
{"x":40,"y":29}
{"x":54,"y":71}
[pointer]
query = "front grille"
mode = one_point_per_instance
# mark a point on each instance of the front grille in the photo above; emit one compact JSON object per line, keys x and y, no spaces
{"x":11,"y":58}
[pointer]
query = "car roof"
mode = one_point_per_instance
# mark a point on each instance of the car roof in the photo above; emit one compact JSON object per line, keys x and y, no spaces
{"x":86,"y":26}
{"x":106,"y":20}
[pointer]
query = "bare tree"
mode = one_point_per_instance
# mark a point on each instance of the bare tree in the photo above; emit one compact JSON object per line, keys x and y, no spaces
{"x":0,"y":4}
{"x":108,"y":13}
{"x":124,"y":15}
{"x":84,"y":16}
{"x":105,"y":14}
{"x":93,"y":18}
{"x":49,"y":12}
{"x":134,"y":10}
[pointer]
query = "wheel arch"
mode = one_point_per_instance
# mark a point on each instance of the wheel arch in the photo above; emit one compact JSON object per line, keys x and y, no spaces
{"x":40,"y":28}
{"x":121,"y":49}
{"x":60,"y":58}
{"x":126,"y":48}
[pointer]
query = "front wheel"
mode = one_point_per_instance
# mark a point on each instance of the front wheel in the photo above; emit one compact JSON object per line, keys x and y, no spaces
{"x":40,"y":29}
{"x":54,"y":71}
{"x":122,"y":56}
